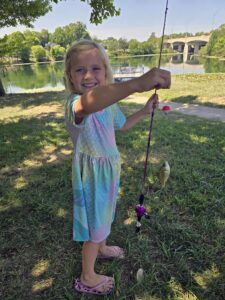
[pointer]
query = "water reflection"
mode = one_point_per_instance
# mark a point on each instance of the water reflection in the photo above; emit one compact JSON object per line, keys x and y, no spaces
{"x":192,"y":64}
{"x":21,"y":78}
{"x":37,"y":76}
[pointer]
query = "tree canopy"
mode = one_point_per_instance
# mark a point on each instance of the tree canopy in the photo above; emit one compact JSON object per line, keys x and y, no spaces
{"x":216,"y":44}
{"x":23,"y":12}
{"x":13,"y":13}
{"x":102,"y":9}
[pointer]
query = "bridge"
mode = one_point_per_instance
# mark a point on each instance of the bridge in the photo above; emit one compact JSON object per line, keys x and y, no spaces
{"x":187,"y":45}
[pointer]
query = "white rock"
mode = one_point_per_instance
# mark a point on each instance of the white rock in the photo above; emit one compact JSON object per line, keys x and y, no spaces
{"x":140,"y":275}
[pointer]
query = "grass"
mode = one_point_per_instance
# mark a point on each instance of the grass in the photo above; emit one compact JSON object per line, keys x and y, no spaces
{"x":202,"y":89}
{"x":181,"y":247}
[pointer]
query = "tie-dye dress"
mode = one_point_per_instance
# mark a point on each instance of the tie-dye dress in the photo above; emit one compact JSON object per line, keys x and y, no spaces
{"x":95,"y":170}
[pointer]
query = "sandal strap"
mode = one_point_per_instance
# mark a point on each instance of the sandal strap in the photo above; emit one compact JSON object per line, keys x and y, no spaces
{"x":82,"y":288}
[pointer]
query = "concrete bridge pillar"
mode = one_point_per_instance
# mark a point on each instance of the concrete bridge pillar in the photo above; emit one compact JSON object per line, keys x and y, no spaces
{"x":185,"y":52}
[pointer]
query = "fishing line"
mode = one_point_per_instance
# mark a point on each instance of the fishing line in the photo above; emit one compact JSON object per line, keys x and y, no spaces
{"x":140,"y":209}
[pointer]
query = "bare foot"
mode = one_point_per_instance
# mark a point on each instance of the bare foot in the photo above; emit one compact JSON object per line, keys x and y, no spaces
{"x":111,"y":252}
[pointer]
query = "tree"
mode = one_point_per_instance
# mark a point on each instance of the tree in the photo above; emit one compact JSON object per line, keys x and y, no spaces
{"x":44,"y":37}
{"x":58,"y":37}
{"x":111,"y":45}
{"x":3,"y":51}
{"x":77,"y":31}
{"x":153,"y":43}
{"x":68,"y":34}
{"x":13,"y":13}
{"x":19,"y":44}
{"x":15,"y":41}
{"x":102,"y":9}
{"x":57,"y":52}
{"x":134,"y":46}
{"x":216,"y":42}
{"x":123,"y":44}
{"x":31,"y":37}
{"x":22,"y":12}
{"x":38,"y":53}
{"x":24,"y":54}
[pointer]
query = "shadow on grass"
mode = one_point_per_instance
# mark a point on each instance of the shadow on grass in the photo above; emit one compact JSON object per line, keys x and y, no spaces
{"x":181,"y":247}
{"x":23,"y":139}
{"x":185,"y":99}
{"x":31,"y":99}
{"x":192,"y":99}
{"x":38,"y":256}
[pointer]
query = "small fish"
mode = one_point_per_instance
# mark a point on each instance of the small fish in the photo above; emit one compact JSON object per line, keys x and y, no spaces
{"x":164,"y":173}
{"x":140,"y":275}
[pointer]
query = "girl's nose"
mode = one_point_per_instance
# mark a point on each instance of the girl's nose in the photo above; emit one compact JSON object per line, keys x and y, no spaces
{"x":88,"y":73}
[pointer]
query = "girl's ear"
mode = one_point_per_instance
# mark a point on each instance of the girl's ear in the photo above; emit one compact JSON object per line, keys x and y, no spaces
{"x":70,"y":77}
{"x":69,"y":80}
{"x":68,"y":73}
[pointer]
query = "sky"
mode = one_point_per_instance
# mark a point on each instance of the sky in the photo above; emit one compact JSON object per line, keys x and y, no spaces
{"x":138,"y":18}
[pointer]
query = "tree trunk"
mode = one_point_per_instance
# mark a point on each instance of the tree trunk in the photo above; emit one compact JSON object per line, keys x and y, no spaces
{"x":2,"y":91}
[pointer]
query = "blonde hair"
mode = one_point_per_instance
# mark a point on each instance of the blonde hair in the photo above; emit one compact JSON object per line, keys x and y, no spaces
{"x":82,"y":46}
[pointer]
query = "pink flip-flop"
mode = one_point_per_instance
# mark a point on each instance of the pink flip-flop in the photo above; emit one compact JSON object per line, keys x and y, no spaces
{"x":117,"y":252}
{"x":82,"y":288}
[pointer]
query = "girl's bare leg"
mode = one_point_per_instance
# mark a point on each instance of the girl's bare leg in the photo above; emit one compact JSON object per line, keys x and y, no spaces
{"x":102,"y":247}
{"x":88,"y":276}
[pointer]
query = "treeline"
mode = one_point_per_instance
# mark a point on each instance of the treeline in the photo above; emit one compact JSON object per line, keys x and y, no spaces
{"x":216,"y":44}
{"x":29,"y":46}
{"x":33,"y":46}
{"x":185,"y":34}
{"x":41,"y":46}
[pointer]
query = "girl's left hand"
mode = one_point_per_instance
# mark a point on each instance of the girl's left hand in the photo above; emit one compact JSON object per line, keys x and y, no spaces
{"x":152,"y":103}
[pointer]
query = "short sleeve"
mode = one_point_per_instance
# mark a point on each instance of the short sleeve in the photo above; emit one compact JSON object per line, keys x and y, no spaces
{"x":69,"y":110}
{"x":119,"y":118}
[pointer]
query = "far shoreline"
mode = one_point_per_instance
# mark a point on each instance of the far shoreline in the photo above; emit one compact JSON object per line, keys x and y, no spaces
{"x":112,"y":57}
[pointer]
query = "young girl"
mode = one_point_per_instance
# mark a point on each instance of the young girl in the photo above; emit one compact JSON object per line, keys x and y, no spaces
{"x":92,"y":116}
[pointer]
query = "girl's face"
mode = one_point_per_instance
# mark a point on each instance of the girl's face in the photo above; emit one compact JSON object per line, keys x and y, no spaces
{"x":87,"y":70}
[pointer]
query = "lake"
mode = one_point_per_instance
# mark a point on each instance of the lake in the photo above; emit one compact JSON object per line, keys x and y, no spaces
{"x":23,"y":78}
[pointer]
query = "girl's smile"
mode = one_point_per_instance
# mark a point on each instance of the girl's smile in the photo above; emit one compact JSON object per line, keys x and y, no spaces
{"x":87,"y":70}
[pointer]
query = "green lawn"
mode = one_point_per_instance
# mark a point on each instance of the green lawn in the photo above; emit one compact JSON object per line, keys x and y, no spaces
{"x":203,"y":89}
{"x":181,"y":247}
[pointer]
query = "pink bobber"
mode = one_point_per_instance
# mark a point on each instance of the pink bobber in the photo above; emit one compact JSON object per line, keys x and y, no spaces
{"x":166,"y":108}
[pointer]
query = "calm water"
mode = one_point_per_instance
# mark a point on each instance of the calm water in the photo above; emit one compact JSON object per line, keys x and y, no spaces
{"x":20,"y":78}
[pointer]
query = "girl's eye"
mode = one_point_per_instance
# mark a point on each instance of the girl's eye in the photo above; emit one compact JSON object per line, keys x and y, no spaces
{"x":80,"y":70}
{"x":84,"y":70}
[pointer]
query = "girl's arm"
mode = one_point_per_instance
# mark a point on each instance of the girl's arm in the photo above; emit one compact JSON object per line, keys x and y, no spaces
{"x":132,"y":120}
{"x":103,"y":96}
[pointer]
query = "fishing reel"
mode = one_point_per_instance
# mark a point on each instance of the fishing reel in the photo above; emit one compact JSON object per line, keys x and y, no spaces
{"x":140,"y":212}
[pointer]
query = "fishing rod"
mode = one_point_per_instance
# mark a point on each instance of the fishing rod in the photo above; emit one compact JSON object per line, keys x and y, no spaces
{"x":140,"y":208}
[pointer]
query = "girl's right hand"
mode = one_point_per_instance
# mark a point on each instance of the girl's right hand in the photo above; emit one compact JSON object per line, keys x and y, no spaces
{"x":154,"y":79}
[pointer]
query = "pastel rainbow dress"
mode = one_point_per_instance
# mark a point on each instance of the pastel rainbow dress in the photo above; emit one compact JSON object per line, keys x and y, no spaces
{"x":95,"y":170}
